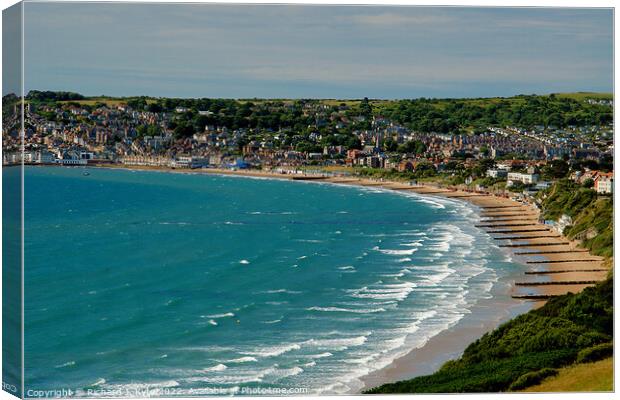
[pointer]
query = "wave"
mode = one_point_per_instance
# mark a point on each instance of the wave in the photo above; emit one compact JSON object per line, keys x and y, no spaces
{"x":347,"y":310}
{"x":225,"y":315}
{"x":242,"y":360}
{"x":320,"y":355}
{"x":385,"y":292}
{"x":282,"y":291}
{"x":139,"y":387}
{"x":392,"y":252}
{"x":338,"y":343}
{"x":273,"y":351}
{"x":275,"y":321}
{"x":218,"y":367}
{"x":99,"y":382}
{"x":67,"y":364}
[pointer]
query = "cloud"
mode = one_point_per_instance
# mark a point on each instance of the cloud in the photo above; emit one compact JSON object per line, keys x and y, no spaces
{"x":252,"y":49}
{"x":391,"y":19}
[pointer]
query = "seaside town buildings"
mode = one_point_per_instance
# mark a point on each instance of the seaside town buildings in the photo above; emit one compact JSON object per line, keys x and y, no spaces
{"x":71,"y":134}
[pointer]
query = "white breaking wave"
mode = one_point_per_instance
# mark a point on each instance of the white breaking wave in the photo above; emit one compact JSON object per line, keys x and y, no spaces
{"x":338,"y":343}
{"x":392,"y":252}
{"x":219,"y":367}
{"x":242,"y":360}
{"x":320,"y":355}
{"x":67,"y":364}
{"x":229,"y":314}
{"x":348,"y":310}
{"x":273,"y":350}
{"x":385,"y":292}
{"x":282,"y":291}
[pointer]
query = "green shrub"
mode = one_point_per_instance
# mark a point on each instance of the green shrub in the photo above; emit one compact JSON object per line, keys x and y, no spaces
{"x":595,"y":353}
{"x":532,"y":378}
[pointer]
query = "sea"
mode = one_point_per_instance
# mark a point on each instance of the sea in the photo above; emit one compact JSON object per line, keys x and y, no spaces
{"x":146,"y":283}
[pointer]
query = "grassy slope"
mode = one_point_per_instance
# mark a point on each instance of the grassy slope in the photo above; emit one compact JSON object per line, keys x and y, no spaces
{"x":592,"y":215}
{"x":590,"y":377}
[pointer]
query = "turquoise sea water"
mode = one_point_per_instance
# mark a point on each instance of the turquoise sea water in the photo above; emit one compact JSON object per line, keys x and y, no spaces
{"x":190,"y":283}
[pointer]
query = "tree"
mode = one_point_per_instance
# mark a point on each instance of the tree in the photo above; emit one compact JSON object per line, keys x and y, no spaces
{"x":413,"y":146}
{"x":556,"y":169}
{"x":365,"y":108}
{"x":183,"y":130}
{"x":588,"y":183}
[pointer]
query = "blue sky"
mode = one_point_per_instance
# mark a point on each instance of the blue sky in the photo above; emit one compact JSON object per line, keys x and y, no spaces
{"x":240,"y":51}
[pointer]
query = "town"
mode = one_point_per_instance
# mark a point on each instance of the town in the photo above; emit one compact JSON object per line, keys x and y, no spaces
{"x":517,"y":145}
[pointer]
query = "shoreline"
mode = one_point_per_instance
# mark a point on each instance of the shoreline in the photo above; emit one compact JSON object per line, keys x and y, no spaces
{"x":560,"y":268}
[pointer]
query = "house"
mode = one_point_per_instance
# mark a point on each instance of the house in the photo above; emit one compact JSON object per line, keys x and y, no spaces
{"x":497,"y":173}
{"x":604,"y":182}
{"x":526,"y":179}
{"x":45,"y":157}
{"x":190,"y":162}
{"x":71,"y":157}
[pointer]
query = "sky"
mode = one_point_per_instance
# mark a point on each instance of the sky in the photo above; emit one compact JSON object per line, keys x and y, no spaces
{"x":295,"y":51}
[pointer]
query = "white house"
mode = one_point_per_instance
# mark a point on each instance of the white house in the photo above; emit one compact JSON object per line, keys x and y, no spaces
{"x":526,"y":179}
{"x":497,"y":173}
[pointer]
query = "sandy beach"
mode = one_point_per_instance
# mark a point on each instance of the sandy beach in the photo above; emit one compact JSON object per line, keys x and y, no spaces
{"x":553,"y":266}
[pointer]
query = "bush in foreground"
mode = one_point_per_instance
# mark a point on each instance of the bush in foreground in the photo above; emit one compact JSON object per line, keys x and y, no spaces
{"x":532,"y":378}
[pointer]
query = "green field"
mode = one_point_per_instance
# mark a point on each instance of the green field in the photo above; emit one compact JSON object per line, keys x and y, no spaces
{"x":586,"y":95}
{"x":590,"y":377}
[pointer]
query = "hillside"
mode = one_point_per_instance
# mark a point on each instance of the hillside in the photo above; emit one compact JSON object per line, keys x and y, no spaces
{"x":590,"y":377}
{"x":567,"y":329}
{"x":592,"y":215}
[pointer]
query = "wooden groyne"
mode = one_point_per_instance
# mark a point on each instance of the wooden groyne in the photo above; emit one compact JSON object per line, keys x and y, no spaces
{"x":550,"y":283}
{"x":521,"y":231}
{"x":525,"y":237}
{"x":564,"y":271}
{"x":534,"y":296}
{"x":537,"y":253}
{"x":560,"y":261}
{"x":513,"y":219}
{"x":499,"y":224}
{"x":438,"y":192}
{"x":534,"y":245}
{"x":464,"y":196}
{"x":346,"y":181}
{"x":506,"y":215}
{"x":308,"y":178}
{"x":496,"y":207}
